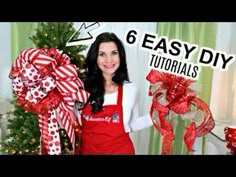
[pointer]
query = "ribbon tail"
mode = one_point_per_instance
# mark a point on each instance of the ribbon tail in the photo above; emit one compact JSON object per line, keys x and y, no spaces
{"x":43,"y":126}
{"x":167,"y":143}
{"x":208,"y":122}
{"x":66,"y":123}
{"x":190,"y":136}
{"x":78,"y":131}
{"x":163,"y":127}
{"x":50,"y":137}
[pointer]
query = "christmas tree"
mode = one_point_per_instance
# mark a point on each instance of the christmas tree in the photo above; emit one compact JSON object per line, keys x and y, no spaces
{"x":56,"y":35}
{"x":23,"y":133}
{"x":23,"y":130}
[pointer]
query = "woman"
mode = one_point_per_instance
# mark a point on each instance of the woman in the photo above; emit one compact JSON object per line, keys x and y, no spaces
{"x":112,"y":110}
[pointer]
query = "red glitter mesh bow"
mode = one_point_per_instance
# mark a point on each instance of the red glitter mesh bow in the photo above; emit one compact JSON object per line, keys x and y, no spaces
{"x":173,"y":93}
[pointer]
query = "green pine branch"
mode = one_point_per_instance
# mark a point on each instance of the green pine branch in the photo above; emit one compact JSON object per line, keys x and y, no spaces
{"x":55,"y":34}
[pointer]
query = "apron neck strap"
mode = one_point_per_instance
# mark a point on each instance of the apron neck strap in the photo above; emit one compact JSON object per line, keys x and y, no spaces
{"x":120,"y":94}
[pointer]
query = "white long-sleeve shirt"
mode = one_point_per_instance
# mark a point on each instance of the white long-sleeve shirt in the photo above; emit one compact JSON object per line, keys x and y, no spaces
{"x":131,"y":118}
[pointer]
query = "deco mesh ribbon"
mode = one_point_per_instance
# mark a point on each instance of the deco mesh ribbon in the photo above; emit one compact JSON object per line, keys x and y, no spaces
{"x":172,"y":95}
{"x":46,"y":83}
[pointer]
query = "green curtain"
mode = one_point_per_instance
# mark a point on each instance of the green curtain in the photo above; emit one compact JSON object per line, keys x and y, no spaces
{"x":203,"y":35}
{"x":20,"y":33}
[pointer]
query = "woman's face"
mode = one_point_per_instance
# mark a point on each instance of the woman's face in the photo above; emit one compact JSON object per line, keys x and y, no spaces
{"x":108,"y":58}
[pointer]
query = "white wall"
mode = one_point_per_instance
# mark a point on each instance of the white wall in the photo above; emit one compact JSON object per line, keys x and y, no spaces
{"x":223,"y":93}
{"x":5,"y":82}
{"x":5,"y":61}
{"x":222,"y":105}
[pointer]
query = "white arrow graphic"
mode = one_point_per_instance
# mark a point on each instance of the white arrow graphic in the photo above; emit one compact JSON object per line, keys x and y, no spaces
{"x":84,"y":34}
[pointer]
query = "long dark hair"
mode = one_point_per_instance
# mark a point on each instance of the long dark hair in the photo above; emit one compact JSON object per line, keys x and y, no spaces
{"x":94,"y":81}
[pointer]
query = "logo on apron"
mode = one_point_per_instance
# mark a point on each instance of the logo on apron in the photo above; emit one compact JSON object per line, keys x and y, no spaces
{"x":115,"y":118}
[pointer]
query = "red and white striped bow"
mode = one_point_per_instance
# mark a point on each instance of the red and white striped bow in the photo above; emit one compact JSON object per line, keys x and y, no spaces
{"x":46,"y":83}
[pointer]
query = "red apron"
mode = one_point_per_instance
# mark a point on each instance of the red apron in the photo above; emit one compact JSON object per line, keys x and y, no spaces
{"x":103,"y":132}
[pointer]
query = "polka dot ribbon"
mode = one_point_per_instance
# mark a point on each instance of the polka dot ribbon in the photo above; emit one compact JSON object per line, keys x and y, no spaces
{"x":172,"y":94}
{"x":46,"y":83}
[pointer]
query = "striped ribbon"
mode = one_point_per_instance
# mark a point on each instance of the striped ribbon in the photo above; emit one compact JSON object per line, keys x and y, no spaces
{"x":46,"y":83}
